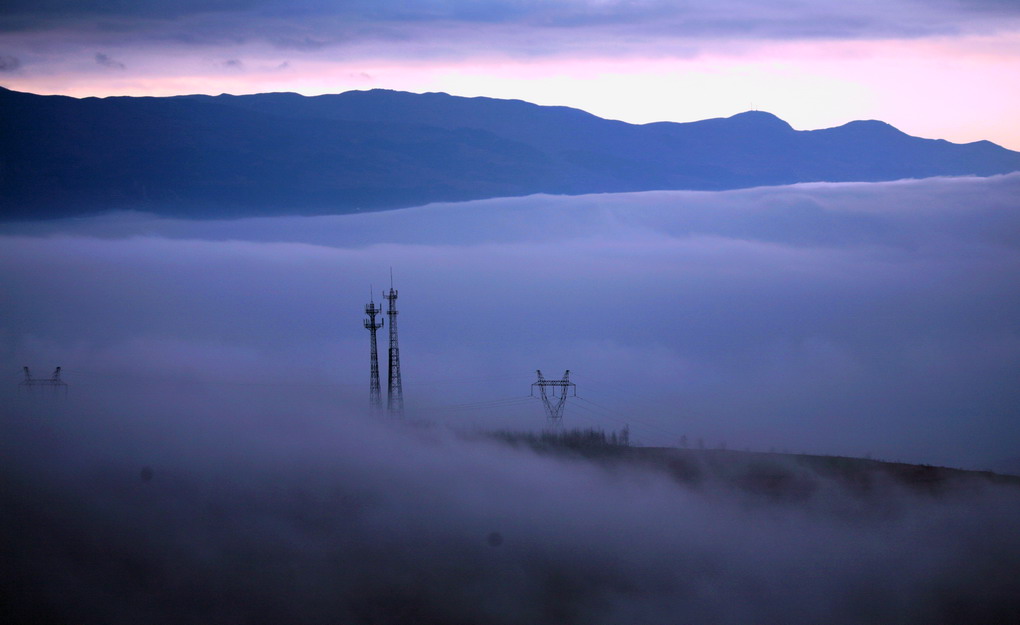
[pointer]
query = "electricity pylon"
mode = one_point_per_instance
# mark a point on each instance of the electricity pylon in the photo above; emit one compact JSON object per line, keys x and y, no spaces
{"x":374,"y":392}
{"x":554,"y":412}
{"x":53,"y":381}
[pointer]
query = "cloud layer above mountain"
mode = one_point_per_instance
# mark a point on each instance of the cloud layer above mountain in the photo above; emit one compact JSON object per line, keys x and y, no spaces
{"x":842,"y":319}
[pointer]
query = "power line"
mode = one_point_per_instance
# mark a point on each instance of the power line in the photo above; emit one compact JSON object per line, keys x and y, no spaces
{"x":601,"y":417}
{"x":493,"y":402}
{"x":461,"y":380}
{"x":627,"y":419}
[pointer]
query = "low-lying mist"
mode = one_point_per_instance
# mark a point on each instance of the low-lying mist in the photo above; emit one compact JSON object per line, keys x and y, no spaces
{"x":170,"y":514}
{"x":212,"y":461}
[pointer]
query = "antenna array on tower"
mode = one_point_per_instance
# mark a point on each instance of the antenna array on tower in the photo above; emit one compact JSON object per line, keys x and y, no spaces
{"x":374,"y":393}
{"x":395,"y":392}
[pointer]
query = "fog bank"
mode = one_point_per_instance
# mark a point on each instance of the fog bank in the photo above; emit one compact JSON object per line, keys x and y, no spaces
{"x":162,"y":514}
{"x":828,"y":318}
{"x":212,"y":460}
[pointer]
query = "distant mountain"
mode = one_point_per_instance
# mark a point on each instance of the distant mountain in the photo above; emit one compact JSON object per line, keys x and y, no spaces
{"x":280,"y":153}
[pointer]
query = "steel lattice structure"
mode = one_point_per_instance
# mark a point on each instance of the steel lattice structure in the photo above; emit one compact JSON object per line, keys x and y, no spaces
{"x":554,"y":411}
{"x":375,"y":391}
{"x":395,"y":392}
{"x":53,"y":381}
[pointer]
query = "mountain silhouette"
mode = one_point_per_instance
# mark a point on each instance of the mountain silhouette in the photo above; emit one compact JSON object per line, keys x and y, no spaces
{"x":283,"y":153}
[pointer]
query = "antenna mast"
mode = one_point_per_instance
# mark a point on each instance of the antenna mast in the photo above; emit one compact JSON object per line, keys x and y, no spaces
{"x":374,"y":392}
{"x":395,"y":392}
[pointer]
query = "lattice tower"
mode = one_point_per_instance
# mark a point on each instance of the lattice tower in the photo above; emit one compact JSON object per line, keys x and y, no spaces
{"x":554,"y":410}
{"x":374,"y":389}
{"x":395,"y":392}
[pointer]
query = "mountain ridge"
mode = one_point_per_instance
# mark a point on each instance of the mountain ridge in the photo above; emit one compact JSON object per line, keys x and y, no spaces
{"x":284,"y":153}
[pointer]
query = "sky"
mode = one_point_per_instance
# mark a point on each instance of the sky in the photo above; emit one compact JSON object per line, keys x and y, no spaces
{"x":847,"y":319}
{"x":933,"y":68}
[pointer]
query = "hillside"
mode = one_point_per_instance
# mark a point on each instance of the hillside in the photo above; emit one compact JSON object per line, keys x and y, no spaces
{"x":281,"y":153}
{"x":774,"y":476}
{"x":358,"y":521}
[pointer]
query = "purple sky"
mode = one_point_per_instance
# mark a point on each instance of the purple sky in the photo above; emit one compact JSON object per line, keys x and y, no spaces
{"x":941,"y":69}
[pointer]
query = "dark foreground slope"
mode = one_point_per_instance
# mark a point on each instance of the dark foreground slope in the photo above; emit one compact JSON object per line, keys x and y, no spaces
{"x":135,"y":518}
{"x":774,"y":476}
{"x":285,"y":153}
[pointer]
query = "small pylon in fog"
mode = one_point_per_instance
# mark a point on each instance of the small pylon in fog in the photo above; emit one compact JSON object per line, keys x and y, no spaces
{"x":554,"y":411}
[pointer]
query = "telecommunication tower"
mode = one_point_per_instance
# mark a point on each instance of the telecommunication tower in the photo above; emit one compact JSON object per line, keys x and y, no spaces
{"x":53,"y":381}
{"x":554,"y":411}
{"x":395,"y":393}
{"x":375,"y":392}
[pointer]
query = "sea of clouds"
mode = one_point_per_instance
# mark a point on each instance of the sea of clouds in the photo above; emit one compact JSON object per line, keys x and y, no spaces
{"x":831,"y":318}
{"x":228,"y":359}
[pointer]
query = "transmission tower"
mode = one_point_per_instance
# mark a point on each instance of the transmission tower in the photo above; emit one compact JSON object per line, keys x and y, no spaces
{"x":554,"y":411}
{"x":53,"y":381}
{"x":374,"y":392}
{"x":395,"y":393}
